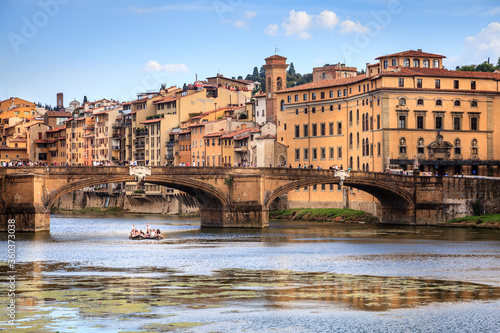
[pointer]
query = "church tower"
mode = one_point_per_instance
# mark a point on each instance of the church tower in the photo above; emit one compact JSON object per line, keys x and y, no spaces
{"x":275,"y":81}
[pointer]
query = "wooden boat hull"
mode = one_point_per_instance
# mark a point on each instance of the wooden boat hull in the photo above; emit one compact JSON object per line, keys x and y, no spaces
{"x":138,"y":237}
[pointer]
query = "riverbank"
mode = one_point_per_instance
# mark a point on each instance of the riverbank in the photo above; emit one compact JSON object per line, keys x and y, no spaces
{"x":324,"y":215}
{"x":491,"y":221}
{"x":114,"y":211}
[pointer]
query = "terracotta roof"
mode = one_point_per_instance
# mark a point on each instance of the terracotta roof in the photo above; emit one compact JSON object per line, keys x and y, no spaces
{"x":275,"y":57}
{"x":44,"y":141}
{"x":151,"y":121}
{"x":411,"y":53}
{"x":142,"y":100}
{"x":57,"y":129}
{"x":166,"y":100}
{"x":18,"y":140}
{"x":242,"y":137}
{"x":260,"y":95}
{"x":440,"y":72}
{"x":35,"y":123}
{"x":184,"y":132}
{"x":267,"y":136}
{"x":58,"y":114}
{"x":326,"y":83}
{"x":4,"y":147}
{"x":234,"y":133}
{"x":213,"y":135}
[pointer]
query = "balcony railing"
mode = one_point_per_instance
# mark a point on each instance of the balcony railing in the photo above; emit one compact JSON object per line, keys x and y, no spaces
{"x":140,"y":158}
{"x":141,"y":134}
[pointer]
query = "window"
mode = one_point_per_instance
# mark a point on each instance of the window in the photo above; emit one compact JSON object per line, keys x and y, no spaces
{"x":313,"y":110}
{"x":402,"y":146}
{"x":456,"y":84}
{"x":306,"y":130}
{"x":339,"y":128}
{"x":350,"y":118}
{"x":401,"y":82}
{"x":289,"y":98}
{"x":331,"y":93}
{"x":420,"y":122}
{"x":437,"y":84}
{"x":456,"y":103}
{"x":304,"y":97}
{"x":339,"y":93}
{"x":473,"y":85}
{"x":345,"y":92}
{"x":297,"y":154}
{"x":386,"y":64}
{"x":406,"y":62}
{"x":313,"y":97}
{"x":378,"y":121}
{"x":282,"y":105}
{"x":297,"y":131}
{"x":474,"y":121}
{"x":457,"y":123}
{"x":357,"y":117}
{"x":331,"y":153}
{"x":438,"y":122}
{"x":439,"y":102}
{"x":420,"y":147}
{"x":330,"y":128}
{"x":339,"y":153}
{"x":426,"y":63}
{"x":296,"y":98}
{"x":402,"y":101}
{"x":473,"y":104}
{"x":416,"y":63}
{"x":435,"y":63}
{"x":323,"y":129}
{"x":322,"y":95}
{"x":350,"y":141}
{"x":419,"y":83}
{"x":402,"y":121}
{"x":378,"y":149}
{"x":314,"y":154}
{"x":394,"y":62}
{"x":420,"y":101}
{"x":323,"y":153}
{"x":306,"y":154}
{"x":314,"y":130}
{"x":458,"y":148}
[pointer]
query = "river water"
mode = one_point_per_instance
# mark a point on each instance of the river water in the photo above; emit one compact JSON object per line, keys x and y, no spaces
{"x":85,"y":275}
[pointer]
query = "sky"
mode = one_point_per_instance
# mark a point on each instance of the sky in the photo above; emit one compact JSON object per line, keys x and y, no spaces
{"x":114,"y":49}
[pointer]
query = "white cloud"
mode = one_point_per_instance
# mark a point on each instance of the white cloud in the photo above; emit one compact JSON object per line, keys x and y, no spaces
{"x":240,"y":24}
{"x":272,"y":30}
{"x":349,"y":26}
{"x":297,"y":22}
{"x":249,"y":14}
{"x":478,"y":48}
{"x":304,"y":35}
{"x":154,"y":66}
{"x":327,"y":20}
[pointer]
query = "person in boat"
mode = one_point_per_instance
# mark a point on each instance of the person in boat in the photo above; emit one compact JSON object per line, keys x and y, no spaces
{"x":133,"y":231}
{"x":152,"y":233}
{"x":148,"y":229}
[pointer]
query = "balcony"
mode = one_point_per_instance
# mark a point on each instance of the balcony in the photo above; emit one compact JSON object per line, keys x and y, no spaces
{"x":140,"y":158}
{"x":117,"y":125}
{"x":141,"y":134}
{"x":101,"y":124}
{"x":128,"y":124}
{"x":88,"y":127}
{"x":139,"y":146}
{"x":117,"y":135}
{"x":243,"y":149}
{"x":115,"y":147}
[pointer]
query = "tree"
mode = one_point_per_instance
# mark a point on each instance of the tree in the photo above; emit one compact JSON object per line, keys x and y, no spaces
{"x":85,"y":100}
{"x":262,"y":73}
{"x":185,"y":87}
{"x":483,"y":67}
{"x":291,"y":69}
{"x":256,"y":70}
{"x":240,"y":77}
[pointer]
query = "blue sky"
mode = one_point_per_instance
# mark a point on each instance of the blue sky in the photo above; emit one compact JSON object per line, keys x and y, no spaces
{"x":113,"y":49}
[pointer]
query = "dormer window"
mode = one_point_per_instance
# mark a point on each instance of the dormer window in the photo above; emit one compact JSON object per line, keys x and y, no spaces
{"x":406,"y":62}
{"x":426,"y":63}
{"x":416,"y":63}
{"x":435,"y":63}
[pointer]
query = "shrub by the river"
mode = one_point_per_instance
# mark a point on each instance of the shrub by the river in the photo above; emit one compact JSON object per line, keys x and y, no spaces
{"x":324,"y":215}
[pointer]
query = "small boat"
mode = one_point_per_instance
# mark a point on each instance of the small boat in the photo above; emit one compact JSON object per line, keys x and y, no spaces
{"x":136,"y":237}
{"x":158,"y":237}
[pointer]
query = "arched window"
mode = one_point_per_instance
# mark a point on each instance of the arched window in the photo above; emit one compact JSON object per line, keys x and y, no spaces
{"x":458,"y":147}
{"x":456,"y":103}
{"x":473,"y":104}
{"x":367,"y":127}
{"x":363,"y":123}
{"x":367,"y":167}
{"x":282,"y":105}
{"x":416,"y":63}
{"x":426,"y":63}
{"x":357,"y":117}
{"x":357,"y":140}
{"x":420,"y":101}
{"x":394,"y":62}
{"x":386,"y":64}
{"x":402,"y":101}
{"x":439,"y":102}
{"x":358,"y":163}
{"x":420,"y":147}
{"x":279,"y":83}
{"x":363,"y":167}
{"x":363,"y":153}
{"x":367,"y":149}
{"x":350,"y":141}
{"x":474,"y":149}
{"x":402,"y":147}
{"x":406,"y":62}
{"x":351,"y":163}
{"x":350,"y":118}
{"x":435,"y":63}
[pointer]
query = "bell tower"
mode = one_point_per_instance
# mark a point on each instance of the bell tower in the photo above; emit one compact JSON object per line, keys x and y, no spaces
{"x":275,"y":81}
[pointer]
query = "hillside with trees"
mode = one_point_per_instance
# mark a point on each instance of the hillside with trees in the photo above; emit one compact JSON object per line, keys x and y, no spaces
{"x":484,"y":67}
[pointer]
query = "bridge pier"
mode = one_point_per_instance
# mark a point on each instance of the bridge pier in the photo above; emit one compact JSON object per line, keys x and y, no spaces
{"x":235,"y":216}
{"x":390,"y":215}
{"x":28,"y":218}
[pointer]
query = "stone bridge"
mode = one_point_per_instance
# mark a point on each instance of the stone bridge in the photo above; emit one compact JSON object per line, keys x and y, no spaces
{"x":240,"y":197}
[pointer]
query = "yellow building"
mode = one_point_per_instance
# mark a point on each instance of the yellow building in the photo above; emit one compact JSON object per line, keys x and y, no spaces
{"x":16,"y":107}
{"x":406,"y":105}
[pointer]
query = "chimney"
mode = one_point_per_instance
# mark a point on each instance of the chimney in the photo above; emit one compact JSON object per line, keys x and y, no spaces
{"x":419,"y":50}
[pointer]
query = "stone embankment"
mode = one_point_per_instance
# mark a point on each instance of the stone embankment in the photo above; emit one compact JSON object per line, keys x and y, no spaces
{"x":95,"y":202}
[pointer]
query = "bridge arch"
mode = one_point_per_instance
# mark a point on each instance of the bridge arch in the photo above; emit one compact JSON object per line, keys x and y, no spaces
{"x":205,"y":194}
{"x":387,"y":193}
